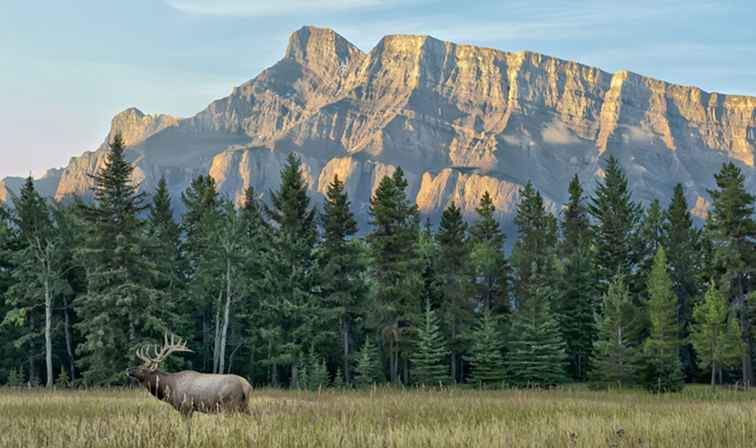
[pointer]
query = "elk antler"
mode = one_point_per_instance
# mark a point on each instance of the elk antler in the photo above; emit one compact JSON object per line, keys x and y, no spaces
{"x":169,"y":346}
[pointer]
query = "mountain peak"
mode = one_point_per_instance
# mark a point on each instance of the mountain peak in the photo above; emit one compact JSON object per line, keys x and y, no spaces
{"x":135,"y":126}
{"x":312,"y":47}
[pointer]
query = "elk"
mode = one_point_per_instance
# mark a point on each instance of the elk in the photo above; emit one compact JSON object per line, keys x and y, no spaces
{"x":189,"y":391}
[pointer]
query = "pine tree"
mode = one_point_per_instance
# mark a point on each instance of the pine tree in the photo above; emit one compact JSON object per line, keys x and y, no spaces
{"x":38,"y":273}
{"x":430,"y":356}
{"x":662,"y":347}
{"x":63,"y":379}
{"x":536,"y":351}
{"x":533,"y":253}
{"x":369,"y":369}
{"x":202,"y":217}
{"x":617,"y":218}
{"x":317,"y":372}
{"x":454,"y":283}
{"x":684,"y":254}
{"x":163,"y":244}
{"x":732,"y":231}
{"x":715,"y":335}
{"x":396,"y":267}
{"x":488,"y":260}
{"x":227,"y":251}
{"x":8,"y":240}
{"x":120,"y":307}
{"x":486,"y":359}
{"x":255,"y":239}
{"x":616,"y":351}
{"x":15,"y":377}
{"x":292,"y":265}
{"x":342,"y":269}
{"x":651,"y":236}
{"x":338,"y":380}
{"x":577,"y":305}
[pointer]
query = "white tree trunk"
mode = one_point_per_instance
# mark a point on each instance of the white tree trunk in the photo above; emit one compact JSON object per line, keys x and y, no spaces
{"x":216,"y":349}
{"x":226,"y":316}
{"x":48,"y":332}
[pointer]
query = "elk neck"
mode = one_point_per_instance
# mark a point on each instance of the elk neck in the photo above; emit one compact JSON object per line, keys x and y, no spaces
{"x":158,"y":384}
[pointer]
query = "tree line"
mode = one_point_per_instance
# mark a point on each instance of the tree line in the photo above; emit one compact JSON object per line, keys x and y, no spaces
{"x":288,"y":295}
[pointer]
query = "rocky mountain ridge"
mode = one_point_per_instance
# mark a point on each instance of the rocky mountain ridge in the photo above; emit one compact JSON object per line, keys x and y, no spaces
{"x":459,"y":119}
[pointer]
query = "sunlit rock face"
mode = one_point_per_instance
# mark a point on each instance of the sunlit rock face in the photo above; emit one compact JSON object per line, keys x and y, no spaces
{"x":460,"y":120}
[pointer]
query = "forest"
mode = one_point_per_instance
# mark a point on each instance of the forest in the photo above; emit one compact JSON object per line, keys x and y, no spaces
{"x":287,"y":294}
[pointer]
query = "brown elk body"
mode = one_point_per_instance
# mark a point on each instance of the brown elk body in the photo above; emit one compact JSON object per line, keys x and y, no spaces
{"x":190,"y":391}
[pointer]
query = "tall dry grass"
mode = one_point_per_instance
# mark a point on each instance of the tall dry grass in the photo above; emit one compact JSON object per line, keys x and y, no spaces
{"x":387,"y":417}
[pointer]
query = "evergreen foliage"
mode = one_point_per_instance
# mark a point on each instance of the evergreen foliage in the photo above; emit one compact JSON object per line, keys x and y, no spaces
{"x":663,"y":370}
{"x":616,"y":221}
{"x":616,"y":352}
{"x":732,"y":231}
{"x":265,"y":287}
{"x":486,"y":359}
{"x":369,"y":369}
{"x":342,"y":270}
{"x":536,"y":351}
{"x":716,"y":335}
{"x":430,"y":366}
{"x":533,"y":253}
{"x":396,"y":269}
{"x":577,"y":304}
{"x":15,"y":377}
{"x":454,"y":282}
{"x":294,"y":316}
{"x":488,"y":259}
{"x":685,"y":261}
{"x":119,"y":308}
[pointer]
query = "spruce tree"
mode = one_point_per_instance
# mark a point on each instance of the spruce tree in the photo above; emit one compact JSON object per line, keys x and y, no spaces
{"x":430,"y":366}
{"x":715,"y":334}
{"x":292,"y":265}
{"x":201,"y":218}
{"x":342,"y":270}
{"x":577,"y":304}
{"x":396,"y":267}
{"x":616,"y":220}
{"x":488,"y":260}
{"x":255,"y":240}
{"x":454,"y":283}
{"x":8,"y":355}
{"x":120,"y":307}
{"x":536,"y":351}
{"x":316,"y":371}
{"x":369,"y":369}
{"x":486,"y":359}
{"x":533,"y":253}
{"x":616,"y":352}
{"x":685,"y":259}
{"x":163,"y":246}
{"x":732,"y":231}
{"x":661,"y":350}
{"x":651,"y":236}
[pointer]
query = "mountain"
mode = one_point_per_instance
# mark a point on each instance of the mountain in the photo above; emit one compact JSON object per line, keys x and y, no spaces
{"x":459,"y":119}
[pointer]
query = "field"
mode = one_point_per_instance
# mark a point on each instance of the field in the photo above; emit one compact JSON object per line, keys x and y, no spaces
{"x":699,"y":417}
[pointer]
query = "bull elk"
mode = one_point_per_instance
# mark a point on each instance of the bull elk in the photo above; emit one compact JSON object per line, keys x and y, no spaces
{"x":189,"y":391}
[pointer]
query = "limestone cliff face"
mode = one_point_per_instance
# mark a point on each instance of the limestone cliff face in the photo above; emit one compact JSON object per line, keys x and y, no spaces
{"x":460,"y":120}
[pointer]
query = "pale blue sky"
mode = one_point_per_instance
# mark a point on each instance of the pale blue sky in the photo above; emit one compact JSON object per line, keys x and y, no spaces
{"x":69,"y":66}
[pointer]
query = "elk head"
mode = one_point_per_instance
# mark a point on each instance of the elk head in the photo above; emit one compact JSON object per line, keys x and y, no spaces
{"x":152,"y":356}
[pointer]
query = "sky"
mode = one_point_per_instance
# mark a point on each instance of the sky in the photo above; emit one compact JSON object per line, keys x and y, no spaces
{"x":69,"y":66}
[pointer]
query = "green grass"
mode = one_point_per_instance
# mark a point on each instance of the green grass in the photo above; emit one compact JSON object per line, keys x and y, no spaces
{"x":698,"y":417}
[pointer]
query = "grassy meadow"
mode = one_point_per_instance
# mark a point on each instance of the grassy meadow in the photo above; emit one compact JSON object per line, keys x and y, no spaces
{"x":384,"y":417}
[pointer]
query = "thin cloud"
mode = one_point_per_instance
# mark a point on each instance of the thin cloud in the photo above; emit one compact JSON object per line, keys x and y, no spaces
{"x":275,"y":8}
